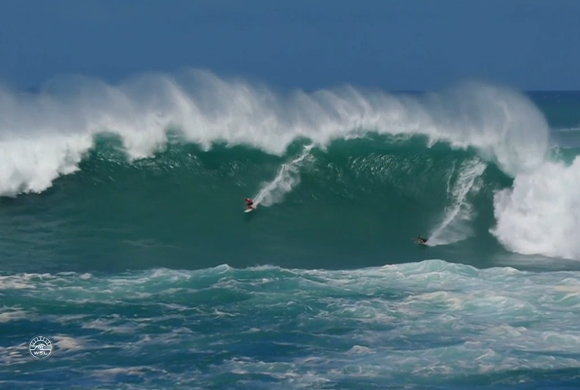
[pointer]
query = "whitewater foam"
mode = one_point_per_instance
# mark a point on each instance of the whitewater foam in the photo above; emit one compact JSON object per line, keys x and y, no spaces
{"x":45,"y":135}
{"x":30,"y":165}
{"x":429,"y":322}
{"x":541,"y":213}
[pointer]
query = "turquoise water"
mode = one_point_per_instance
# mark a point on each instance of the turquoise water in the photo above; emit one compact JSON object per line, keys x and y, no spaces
{"x":417,"y":325}
{"x":124,"y":239}
{"x":360,"y":203}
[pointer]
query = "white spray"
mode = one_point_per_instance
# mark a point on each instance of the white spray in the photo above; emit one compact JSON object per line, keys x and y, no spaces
{"x":286,"y":179}
{"x":455,"y":224}
{"x":45,"y":135}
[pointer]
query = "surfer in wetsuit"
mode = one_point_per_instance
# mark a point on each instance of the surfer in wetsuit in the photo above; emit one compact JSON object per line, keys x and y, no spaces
{"x":249,"y":203}
{"x":421,"y":240}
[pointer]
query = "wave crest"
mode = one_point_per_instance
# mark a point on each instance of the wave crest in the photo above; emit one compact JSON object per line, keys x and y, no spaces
{"x":45,"y":135}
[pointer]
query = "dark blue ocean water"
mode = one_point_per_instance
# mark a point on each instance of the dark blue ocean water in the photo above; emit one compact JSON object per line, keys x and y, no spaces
{"x":124,"y":240}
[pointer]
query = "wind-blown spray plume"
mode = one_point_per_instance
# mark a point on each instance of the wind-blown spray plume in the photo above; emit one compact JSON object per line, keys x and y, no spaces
{"x":45,"y":135}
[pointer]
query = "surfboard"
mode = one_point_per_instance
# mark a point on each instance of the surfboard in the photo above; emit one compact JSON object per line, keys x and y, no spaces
{"x":250,"y":209}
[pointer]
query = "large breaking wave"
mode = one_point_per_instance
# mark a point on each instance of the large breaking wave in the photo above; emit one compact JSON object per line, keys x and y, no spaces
{"x":47,"y":134}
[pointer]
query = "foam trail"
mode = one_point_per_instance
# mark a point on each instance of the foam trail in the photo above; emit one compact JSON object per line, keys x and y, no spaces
{"x":44,"y":135}
{"x":567,"y":130}
{"x":541,"y":213}
{"x":286,"y":179}
{"x":455,"y":225}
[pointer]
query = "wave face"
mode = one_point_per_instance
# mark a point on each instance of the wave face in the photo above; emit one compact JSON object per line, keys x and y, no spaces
{"x":356,"y":203}
{"x":161,"y":164}
{"x":432,"y":325}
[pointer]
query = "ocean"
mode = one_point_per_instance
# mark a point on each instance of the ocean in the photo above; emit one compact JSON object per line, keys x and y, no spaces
{"x":124,"y":241}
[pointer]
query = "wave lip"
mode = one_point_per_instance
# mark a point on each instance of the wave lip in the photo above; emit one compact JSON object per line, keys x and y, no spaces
{"x":503,"y":125}
{"x":29,"y":165}
{"x":56,"y":127}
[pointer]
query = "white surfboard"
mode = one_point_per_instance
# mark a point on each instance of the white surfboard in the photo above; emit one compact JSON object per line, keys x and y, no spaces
{"x":250,"y":209}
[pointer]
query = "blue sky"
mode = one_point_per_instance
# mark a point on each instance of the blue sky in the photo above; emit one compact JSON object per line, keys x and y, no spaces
{"x":393,"y":45}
